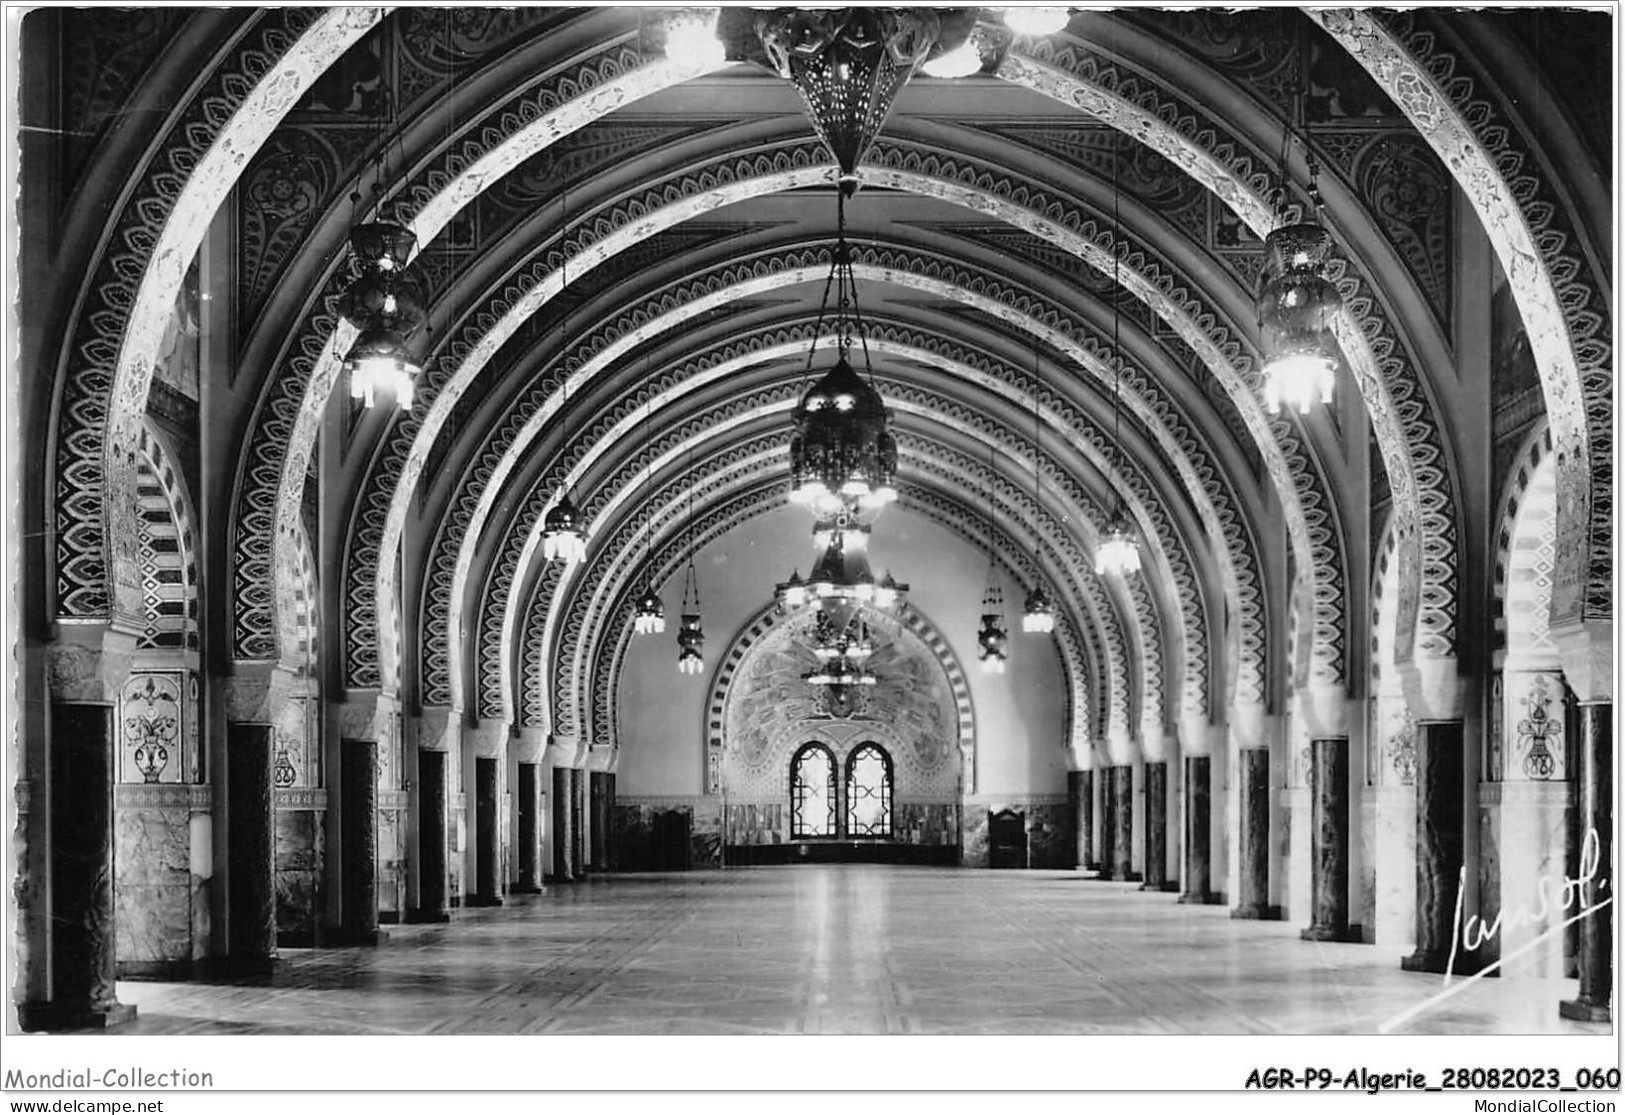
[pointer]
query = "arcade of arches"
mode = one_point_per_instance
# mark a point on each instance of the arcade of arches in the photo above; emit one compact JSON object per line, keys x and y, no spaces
{"x":295,"y":672}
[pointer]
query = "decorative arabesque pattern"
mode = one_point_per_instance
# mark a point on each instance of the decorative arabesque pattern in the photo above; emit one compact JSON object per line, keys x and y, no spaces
{"x":1400,"y":411}
{"x":1237,"y":556}
{"x":167,"y":551}
{"x":86,"y":565}
{"x":284,"y":435}
{"x":1560,"y":297}
{"x":786,"y":165}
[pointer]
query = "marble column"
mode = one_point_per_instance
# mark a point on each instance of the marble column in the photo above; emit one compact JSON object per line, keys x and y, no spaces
{"x":1329,"y":840}
{"x":358,"y":775}
{"x":1198,"y":831}
{"x":487,"y":834}
{"x":564,"y":865}
{"x":598,"y":816}
{"x":1108,"y":821}
{"x":530,"y":874}
{"x":1081,"y":790}
{"x":431,"y":838}
{"x":84,"y":952}
{"x":1253,"y":889}
{"x":578,"y":821}
{"x":1594,"y":1002}
{"x":1439,"y":842}
{"x":1156,"y":828}
{"x":1123,"y":819}
{"x":250,"y":838}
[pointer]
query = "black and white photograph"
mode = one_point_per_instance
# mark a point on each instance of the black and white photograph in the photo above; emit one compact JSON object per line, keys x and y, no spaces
{"x":1034,"y":544}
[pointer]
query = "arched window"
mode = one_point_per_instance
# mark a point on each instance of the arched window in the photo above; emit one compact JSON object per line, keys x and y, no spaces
{"x":868,"y":792}
{"x":812,"y":792}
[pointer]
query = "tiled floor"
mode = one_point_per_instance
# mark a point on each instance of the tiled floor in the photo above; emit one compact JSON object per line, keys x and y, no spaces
{"x":855,"y":949}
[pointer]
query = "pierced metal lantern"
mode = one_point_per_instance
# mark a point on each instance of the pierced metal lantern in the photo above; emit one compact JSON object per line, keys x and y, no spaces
{"x":563,"y":537}
{"x":690,"y":641}
{"x":649,"y":615}
{"x":1038,"y":612}
{"x":1296,"y":304}
{"x":841,"y":451}
{"x":1119,"y":551}
{"x":383,"y":302}
{"x":992,"y":639}
{"x":848,"y":65}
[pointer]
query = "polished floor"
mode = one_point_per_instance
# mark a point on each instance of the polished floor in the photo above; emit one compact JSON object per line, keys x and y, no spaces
{"x":851,"y":949}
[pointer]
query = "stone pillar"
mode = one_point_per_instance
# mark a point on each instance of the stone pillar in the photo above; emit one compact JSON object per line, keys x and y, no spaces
{"x":84,"y":955}
{"x":1108,"y":821}
{"x":1594,"y":1002}
{"x":1198,"y":831}
{"x":358,"y":775}
{"x":431,"y":793}
{"x":1253,"y":786}
{"x":1123,"y":822}
{"x":1156,"y":828}
{"x":251,"y":897}
{"x":564,"y":841}
{"x":1081,"y":791}
{"x":530,"y":837}
{"x":1438,"y":842}
{"x":1329,"y":840}
{"x":578,"y":821}
{"x":487,"y":834}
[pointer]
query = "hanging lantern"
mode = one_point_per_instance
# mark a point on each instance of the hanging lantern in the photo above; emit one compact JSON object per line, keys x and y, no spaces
{"x":563,"y":538}
{"x":992,"y":640}
{"x":384,"y":303}
{"x":649,"y":615}
{"x":848,"y":64}
{"x":1119,"y":552}
{"x":1296,"y":304}
{"x":841,"y":452}
{"x":690,"y":640}
{"x":1038,"y":612}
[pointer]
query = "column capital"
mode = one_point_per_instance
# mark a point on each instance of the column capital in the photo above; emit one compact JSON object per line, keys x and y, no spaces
{"x":1433,"y":688}
{"x":1324,"y":707}
{"x":1197,"y":736}
{"x":1249,"y":725}
{"x":566,"y":751}
{"x":487,"y":737}
{"x":1156,"y":744}
{"x":440,"y":729}
{"x":258,"y":687}
{"x":87,"y":663}
{"x":530,"y":744}
{"x":1587,"y":653}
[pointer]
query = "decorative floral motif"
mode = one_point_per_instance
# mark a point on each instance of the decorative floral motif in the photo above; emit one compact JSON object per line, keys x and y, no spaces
{"x":1402,"y":752}
{"x":151,"y":709}
{"x":1539,"y":736}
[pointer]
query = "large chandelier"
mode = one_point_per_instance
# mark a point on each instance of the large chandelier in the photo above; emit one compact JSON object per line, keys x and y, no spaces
{"x":384,"y":303}
{"x":1296,"y":302}
{"x":841,"y":573}
{"x":842,"y":453}
{"x":842,"y":646}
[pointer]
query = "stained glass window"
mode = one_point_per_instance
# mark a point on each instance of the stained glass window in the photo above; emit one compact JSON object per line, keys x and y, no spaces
{"x":812,"y":792}
{"x":868,"y":792}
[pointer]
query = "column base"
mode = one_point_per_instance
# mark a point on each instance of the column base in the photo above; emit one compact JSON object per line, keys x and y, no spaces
{"x":1167,"y":886}
{"x":1435,"y":962}
{"x":1584,"y":1010}
{"x":525,"y":890}
{"x":365,"y":938}
{"x":250,"y":967}
{"x":1344,"y":934}
{"x":37,"y":1017}
{"x":476,"y":900}
{"x":1212,"y":898}
{"x":1256,"y":911}
{"x":421,"y":916}
{"x":1126,"y":877}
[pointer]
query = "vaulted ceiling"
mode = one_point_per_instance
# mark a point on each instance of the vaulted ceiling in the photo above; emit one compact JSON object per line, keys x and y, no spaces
{"x":1064,"y":248}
